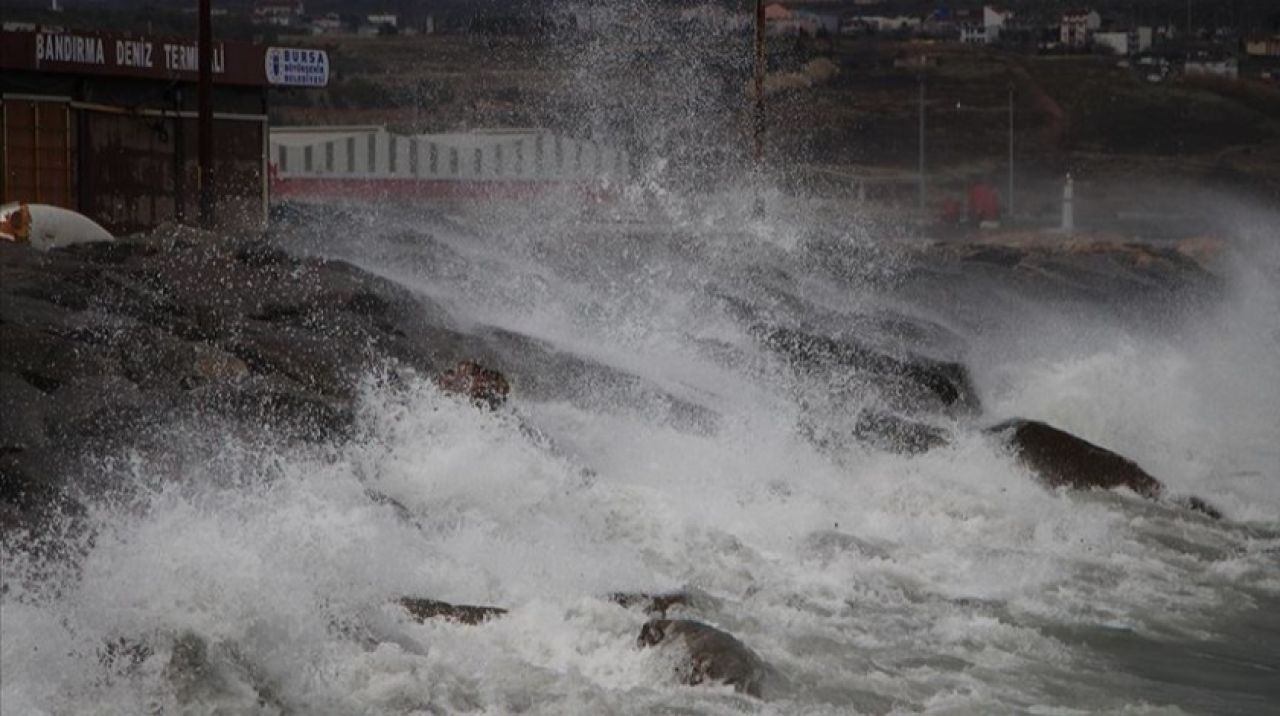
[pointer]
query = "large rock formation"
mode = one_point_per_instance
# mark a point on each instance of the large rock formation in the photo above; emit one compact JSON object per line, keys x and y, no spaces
{"x":106,"y":344}
{"x":707,"y":654}
{"x":424,"y":609}
{"x":911,"y":383}
{"x":1064,"y":460}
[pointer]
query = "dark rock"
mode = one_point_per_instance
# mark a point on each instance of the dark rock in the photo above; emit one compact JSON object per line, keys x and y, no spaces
{"x":484,"y":386}
{"x":201,"y":672}
{"x":23,"y":408}
{"x":423,"y":609}
{"x":103,"y":340}
{"x":655,"y":604}
{"x":893,"y":433}
{"x":915,"y":383}
{"x":1196,"y":504}
{"x":1064,"y":460}
{"x":710,"y":655}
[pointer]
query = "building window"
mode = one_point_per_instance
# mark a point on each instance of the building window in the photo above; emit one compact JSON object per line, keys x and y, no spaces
{"x":453,"y":161}
{"x":433,"y":158}
{"x":577,"y":158}
{"x":391,"y":154}
{"x":413,"y":157}
{"x":328,"y":156}
{"x":373,"y":154}
{"x":519,"y":158}
{"x":497,"y":160}
{"x":537,"y":155}
{"x":479,"y":161}
{"x":351,"y":155}
{"x":306,"y":159}
{"x":283,"y":161}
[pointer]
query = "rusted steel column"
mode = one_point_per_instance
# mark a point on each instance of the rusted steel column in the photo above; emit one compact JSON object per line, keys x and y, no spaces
{"x":205,"y":121}
{"x":757,"y":118}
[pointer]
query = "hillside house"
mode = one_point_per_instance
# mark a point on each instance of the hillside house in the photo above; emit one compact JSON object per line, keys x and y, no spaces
{"x":782,"y":20}
{"x":857,"y":24}
{"x":329,"y":23}
{"x":1076,"y":28}
{"x":973,"y":34}
{"x":995,"y":20}
{"x":384,"y":19}
{"x":1262,"y":46}
{"x":281,"y":13}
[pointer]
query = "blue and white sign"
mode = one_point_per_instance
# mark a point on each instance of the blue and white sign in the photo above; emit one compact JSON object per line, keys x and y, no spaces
{"x":291,"y":67}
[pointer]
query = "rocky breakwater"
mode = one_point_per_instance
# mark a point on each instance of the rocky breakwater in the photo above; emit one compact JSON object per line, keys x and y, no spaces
{"x":107,"y":345}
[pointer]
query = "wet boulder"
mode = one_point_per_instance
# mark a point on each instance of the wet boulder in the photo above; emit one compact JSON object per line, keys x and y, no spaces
{"x":654,"y":604}
{"x":1064,"y":460}
{"x":423,"y":609}
{"x":707,"y":654}
{"x":1061,"y":459}
{"x":484,"y":386}
{"x":911,"y":383}
{"x":894,"y":433}
{"x":104,"y":343}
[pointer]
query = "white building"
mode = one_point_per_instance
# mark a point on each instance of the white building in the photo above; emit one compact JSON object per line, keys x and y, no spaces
{"x":993,"y":16}
{"x":971,"y":34}
{"x":1262,"y":46}
{"x":374,"y":157}
{"x":1126,"y":42}
{"x":879,"y":23}
{"x":387,"y":19}
{"x":282,"y":13}
{"x":1075,"y":30}
{"x":782,"y":20}
{"x":1115,"y":42}
{"x":1226,"y":68}
{"x":327,"y":24}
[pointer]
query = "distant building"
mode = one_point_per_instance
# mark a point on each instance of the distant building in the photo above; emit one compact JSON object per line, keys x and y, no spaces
{"x":1124,"y":42}
{"x":1114,"y":42}
{"x":995,"y":19}
{"x":782,"y":20}
{"x":1226,"y":68}
{"x":328,"y":24}
{"x":1075,"y":29}
{"x":384,"y":19}
{"x":369,"y":161}
{"x":717,"y":18}
{"x":856,"y":24}
{"x":971,"y":34}
{"x":282,"y":13}
{"x":1262,"y":46}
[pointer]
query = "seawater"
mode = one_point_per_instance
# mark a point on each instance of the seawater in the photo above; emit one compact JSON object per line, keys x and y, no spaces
{"x":949,"y":582}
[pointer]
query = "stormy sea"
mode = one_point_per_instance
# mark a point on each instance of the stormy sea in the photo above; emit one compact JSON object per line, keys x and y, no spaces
{"x":801,"y":460}
{"x":698,"y":408}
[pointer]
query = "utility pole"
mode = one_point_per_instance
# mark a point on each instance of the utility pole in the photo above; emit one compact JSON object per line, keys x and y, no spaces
{"x":757,"y":115}
{"x":1010,"y":200}
{"x":204,"y":128}
{"x":921,"y":168}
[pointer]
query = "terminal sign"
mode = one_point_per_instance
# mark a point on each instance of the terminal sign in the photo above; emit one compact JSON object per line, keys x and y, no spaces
{"x":297,"y":67}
